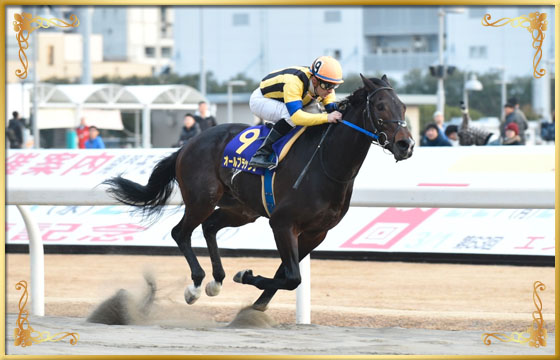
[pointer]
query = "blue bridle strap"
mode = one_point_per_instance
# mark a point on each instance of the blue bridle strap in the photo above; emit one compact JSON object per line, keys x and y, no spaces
{"x":363,"y":131}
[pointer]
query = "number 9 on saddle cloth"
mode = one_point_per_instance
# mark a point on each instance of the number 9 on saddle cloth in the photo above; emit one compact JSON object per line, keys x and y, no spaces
{"x":242,"y":147}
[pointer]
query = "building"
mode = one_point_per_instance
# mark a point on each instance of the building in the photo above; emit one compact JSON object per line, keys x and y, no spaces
{"x":399,"y":39}
{"x":142,"y":35}
{"x":257,"y":40}
{"x":369,"y":39}
{"x":60,"y":51}
{"x":473,"y":47}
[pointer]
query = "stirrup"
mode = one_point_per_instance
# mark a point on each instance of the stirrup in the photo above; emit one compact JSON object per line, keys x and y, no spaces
{"x":263,"y":161}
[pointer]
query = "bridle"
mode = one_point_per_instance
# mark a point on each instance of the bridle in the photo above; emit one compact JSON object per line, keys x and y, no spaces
{"x":380,"y":122}
{"x":375,"y":135}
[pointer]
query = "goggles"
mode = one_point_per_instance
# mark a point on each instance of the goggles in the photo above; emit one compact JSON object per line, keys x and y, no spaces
{"x":327,"y":85}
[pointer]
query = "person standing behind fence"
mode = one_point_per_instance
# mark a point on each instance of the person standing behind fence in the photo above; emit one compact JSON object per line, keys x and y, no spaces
{"x":83,"y":133}
{"x":95,"y":141}
{"x":434,"y":137}
{"x":514,"y":116}
{"x":15,"y":131}
{"x":451,"y":132}
{"x":190,"y":129}
{"x":512,"y":135}
{"x":204,"y":119}
{"x":439,"y":121}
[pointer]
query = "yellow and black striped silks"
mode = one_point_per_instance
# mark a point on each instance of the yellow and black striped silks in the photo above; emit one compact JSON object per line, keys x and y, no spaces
{"x":291,"y":86}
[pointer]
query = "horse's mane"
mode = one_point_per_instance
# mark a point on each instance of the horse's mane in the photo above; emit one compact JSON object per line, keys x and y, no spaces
{"x":358,"y":96}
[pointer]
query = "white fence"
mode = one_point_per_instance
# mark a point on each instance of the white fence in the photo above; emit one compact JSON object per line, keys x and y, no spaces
{"x":472,"y":177}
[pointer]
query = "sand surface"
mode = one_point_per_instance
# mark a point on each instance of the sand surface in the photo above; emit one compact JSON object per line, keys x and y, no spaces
{"x":357,"y":308}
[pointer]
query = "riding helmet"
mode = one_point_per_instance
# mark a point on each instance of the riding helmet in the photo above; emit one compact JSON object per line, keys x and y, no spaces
{"x":327,"y":69}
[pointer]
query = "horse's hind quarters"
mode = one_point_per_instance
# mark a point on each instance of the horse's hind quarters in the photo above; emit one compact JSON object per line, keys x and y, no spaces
{"x":238,"y":278}
{"x":192,"y":293}
{"x":213,"y":288}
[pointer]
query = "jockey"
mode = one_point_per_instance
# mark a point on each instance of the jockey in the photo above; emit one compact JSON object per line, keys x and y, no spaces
{"x":289,"y":97}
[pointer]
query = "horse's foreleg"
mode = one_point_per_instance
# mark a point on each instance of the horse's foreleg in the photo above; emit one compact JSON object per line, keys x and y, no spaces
{"x":220,"y":219}
{"x":287,"y":244}
{"x":306,"y":243}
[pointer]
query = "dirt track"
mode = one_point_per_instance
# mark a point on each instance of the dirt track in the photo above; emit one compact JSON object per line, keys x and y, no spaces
{"x":344,"y":293}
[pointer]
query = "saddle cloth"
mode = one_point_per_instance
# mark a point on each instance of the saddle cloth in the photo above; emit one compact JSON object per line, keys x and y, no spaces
{"x":242,"y":147}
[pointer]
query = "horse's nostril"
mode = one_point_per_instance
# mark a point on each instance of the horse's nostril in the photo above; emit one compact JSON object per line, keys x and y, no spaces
{"x":403,"y":145}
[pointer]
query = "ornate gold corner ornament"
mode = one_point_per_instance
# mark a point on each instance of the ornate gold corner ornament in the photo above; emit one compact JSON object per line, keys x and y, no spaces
{"x":535,"y":335}
{"x":25,"y":335}
{"x":25,"y":24}
{"x":536,"y":24}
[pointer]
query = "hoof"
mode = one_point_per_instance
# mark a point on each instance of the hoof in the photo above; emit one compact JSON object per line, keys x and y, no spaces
{"x":238,"y":278}
{"x":192,"y":294}
{"x":213,"y":288}
{"x":260,"y":307}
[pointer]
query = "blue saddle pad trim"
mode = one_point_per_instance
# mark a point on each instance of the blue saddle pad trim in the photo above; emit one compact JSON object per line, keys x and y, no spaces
{"x":268,"y":190}
{"x":243,"y":146}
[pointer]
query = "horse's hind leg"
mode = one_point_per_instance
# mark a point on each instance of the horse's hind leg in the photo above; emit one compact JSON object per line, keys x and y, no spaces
{"x":181,"y":233}
{"x":306,"y":243}
{"x":220,"y":219}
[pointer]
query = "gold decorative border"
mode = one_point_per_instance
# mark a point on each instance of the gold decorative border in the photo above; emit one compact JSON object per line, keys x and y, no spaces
{"x":537,"y":25}
{"x":25,"y":24}
{"x":24,"y":335}
{"x":537,"y":334}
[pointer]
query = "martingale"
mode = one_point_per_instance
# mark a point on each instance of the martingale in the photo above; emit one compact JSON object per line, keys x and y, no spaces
{"x":243,"y":146}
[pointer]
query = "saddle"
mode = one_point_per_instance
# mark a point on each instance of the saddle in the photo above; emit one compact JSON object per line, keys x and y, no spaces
{"x":242,"y":147}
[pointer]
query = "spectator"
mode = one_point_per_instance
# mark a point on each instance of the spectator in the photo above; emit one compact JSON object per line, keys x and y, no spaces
{"x":514,"y":101}
{"x":514,"y":116}
{"x":433,"y":137}
{"x":190,"y":129}
{"x":451,"y":134}
{"x":83,"y":133}
{"x":547,"y":129}
{"x":204,"y":119}
{"x":95,"y":141}
{"x":512,"y":135}
{"x":15,"y":131}
{"x":439,"y":120}
{"x":470,"y":135}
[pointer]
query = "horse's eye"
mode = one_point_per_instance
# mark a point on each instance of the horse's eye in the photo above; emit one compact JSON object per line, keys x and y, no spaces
{"x":380,"y":107}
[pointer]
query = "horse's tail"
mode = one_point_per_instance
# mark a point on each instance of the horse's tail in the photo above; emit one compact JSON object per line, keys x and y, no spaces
{"x":151,"y":198}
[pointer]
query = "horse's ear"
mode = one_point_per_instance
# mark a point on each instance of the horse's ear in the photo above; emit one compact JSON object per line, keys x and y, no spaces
{"x":384,"y":78}
{"x":370,"y":86}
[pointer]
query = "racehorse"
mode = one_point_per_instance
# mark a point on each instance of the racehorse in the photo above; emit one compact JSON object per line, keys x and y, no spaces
{"x":302,"y":217}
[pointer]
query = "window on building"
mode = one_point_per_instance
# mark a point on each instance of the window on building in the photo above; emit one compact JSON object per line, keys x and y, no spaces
{"x":419,"y":44}
{"x":333,"y":16}
{"x":150,"y":51}
{"x":477,"y":52}
{"x":51,"y":55}
{"x":240,"y":19}
{"x":477,"y":12}
{"x":337,"y":54}
{"x":166,"y":52}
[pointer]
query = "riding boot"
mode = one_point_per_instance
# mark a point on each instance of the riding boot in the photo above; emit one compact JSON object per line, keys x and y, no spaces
{"x":262,"y":157}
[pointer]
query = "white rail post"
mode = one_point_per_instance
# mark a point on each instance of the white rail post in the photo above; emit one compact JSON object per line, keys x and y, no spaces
{"x":303,"y":293}
{"x":37,"y":262}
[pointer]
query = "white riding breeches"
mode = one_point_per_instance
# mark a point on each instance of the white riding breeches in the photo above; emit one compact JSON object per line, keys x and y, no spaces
{"x":273,"y":110}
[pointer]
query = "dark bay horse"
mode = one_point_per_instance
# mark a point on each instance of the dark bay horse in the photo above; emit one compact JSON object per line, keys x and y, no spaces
{"x":302,"y":217}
